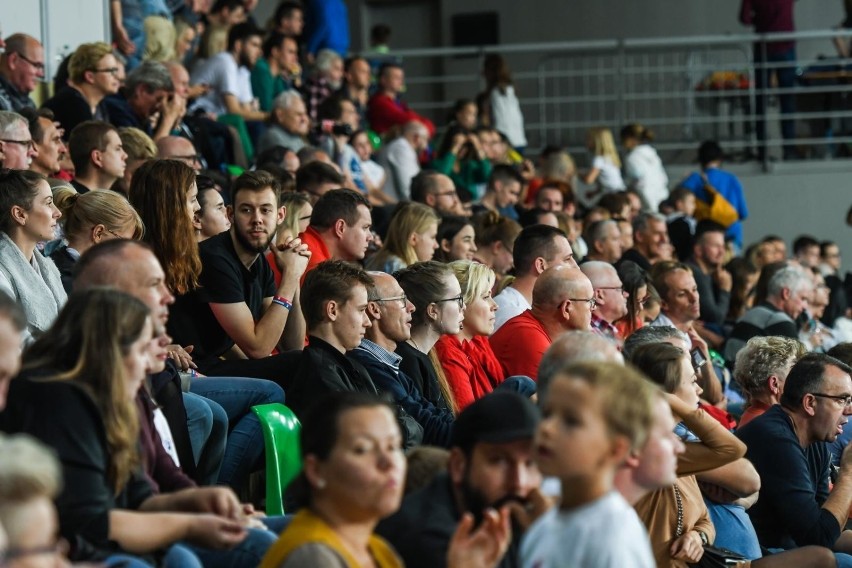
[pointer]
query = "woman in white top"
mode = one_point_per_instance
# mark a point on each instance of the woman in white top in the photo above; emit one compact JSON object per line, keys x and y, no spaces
{"x":643,"y":169}
{"x":605,"y":173}
{"x":27,"y":217}
{"x":498,"y":105}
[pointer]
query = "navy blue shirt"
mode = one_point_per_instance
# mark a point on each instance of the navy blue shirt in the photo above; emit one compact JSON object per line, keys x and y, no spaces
{"x":794,"y":484}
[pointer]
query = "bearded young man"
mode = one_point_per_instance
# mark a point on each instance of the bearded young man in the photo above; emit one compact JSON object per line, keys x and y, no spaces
{"x":238,"y":313}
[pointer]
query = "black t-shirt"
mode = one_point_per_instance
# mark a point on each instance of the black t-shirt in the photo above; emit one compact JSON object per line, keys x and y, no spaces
{"x":224,"y":280}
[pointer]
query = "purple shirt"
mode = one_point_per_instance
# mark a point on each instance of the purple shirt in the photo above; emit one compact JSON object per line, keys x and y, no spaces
{"x":769,"y":16}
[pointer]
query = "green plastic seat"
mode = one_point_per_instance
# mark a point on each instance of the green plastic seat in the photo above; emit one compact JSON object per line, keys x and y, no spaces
{"x":283,"y":459}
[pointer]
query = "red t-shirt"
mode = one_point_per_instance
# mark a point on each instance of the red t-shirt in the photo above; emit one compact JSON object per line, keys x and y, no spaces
{"x":471,"y":368}
{"x":520,"y":344}
{"x":319,"y":252}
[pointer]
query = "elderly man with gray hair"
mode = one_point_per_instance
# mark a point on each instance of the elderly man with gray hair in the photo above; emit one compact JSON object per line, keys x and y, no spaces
{"x":16,"y":144}
{"x":289,"y":123}
{"x":147,"y":92}
{"x":399,"y":158}
{"x":328,"y":78}
{"x":761,"y":370}
{"x":787,"y":296}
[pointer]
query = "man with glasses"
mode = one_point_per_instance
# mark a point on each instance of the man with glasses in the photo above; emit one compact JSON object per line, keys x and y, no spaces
{"x":390,"y":314}
{"x":21,"y":69}
{"x":788,"y":447}
{"x":562,"y":300}
{"x":179,"y":148}
{"x":536,"y":249}
{"x":438,"y":192}
{"x":609,"y":295}
{"x":93,"y":74}
{"x":15,"y":141}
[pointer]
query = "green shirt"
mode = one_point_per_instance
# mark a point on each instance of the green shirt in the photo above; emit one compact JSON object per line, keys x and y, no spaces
{"x":264,"y":86}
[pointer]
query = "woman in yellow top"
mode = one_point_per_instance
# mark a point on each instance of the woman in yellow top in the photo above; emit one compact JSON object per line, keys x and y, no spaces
{"x":353,"y":476}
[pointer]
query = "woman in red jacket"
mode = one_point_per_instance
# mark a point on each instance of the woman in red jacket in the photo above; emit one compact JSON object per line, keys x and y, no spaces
{"x":470,"y":365}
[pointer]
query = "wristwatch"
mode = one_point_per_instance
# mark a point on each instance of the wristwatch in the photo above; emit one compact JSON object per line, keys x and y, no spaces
{"x":704,"y":540}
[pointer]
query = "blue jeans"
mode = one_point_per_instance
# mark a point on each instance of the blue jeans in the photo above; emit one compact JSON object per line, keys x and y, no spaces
{"x":247,"y":554}
{"x":519,"y":384}
{"x":786,"y":79}
{"x":207,"y":423}
{"x":236,"y":396}
{"x":177,"y":556}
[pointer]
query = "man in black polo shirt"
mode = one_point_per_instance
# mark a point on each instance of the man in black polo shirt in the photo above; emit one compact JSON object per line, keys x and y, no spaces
{"x":237,"y":317}
{"x":334,"y":303}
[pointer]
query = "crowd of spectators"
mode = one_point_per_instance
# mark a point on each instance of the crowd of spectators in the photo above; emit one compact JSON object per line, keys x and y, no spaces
{"x":495,"y":362}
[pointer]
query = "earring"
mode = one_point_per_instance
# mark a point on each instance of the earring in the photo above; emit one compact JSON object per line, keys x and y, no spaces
{"x":320,"y":483}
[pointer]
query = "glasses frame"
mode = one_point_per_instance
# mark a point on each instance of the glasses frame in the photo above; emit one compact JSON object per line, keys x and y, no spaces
{"x":403,"y":299}
{"x":29,"y":144}
{"x":111,"y":70}
{"x":458,"y":299}
{"x":846,"y":399}
{"x":35,"y":64}
{"x":619,"y":288}
{"x":593,"y":302}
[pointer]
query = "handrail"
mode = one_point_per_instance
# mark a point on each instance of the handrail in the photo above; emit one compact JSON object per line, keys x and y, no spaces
{"x":579,"y":45}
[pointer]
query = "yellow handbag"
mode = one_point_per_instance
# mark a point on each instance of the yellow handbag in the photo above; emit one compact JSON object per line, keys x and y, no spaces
{"x":717,"y":208}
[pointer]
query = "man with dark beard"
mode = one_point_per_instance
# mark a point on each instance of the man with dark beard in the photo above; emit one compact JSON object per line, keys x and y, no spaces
{"x":490,"y":464}
{"x":228,"y":74}
{"x":238,"y":313}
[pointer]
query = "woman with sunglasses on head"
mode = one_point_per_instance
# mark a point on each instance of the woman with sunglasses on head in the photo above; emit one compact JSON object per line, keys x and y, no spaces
{"x":27,"y":217}
{"x":439,"y":310}
{"x":466,"y":357}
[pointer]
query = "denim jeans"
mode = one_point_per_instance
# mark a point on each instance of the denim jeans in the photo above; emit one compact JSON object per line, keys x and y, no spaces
{"x":519,"y":384}
{"x":247,"y":554}
{"x":236,"y":396}
{"x":207,"y":423}
{"x":786,"y":76}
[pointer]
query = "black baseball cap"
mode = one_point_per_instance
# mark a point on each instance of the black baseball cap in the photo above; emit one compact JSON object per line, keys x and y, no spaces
{"x":496,"y":418}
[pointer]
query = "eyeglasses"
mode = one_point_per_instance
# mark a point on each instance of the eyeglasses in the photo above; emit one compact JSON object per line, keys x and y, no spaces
{"x":593,"y":303}
{"x":190,"y":159}
{"x":38,"y":66}
{"x":111,"y":70}
{"x":620,"y":289}
{"x":458,"y":299}
{"x":113,"y":233}
{"x":403,"y":299}
{"x":446,"y":193}
{"x":844,"y":399}
{"x":644,"y":301}
{"x":28,"y":144}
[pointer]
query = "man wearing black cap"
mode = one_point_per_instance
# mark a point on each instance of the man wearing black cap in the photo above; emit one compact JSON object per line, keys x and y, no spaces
{"x":491,"y":464}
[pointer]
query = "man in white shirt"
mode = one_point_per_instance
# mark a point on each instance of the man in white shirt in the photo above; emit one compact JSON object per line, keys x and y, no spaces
{"x":399,"y":158}
{"x":229,"y":77}
{"x":536,"y":249}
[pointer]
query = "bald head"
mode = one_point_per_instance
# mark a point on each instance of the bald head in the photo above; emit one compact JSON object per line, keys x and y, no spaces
{"x":557,"y":284}
{"x":612,"y":303}
{"x":574,"y":347}
{"x":178,"y":148}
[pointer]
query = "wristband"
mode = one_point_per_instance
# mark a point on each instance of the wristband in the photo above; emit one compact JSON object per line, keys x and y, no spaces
{"x":283,"y":302}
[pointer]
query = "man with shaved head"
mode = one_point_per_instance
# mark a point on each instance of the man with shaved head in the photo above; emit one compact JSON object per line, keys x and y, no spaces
{"x":21,"y":69}
{"x":179,"y":148}
{"x":610,"y":297}
{"x":562,"y":300}
{"x":537,"y":248}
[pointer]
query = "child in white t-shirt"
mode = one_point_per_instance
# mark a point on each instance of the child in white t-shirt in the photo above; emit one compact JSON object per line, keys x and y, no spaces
{"x":372,"y":174}
{"x":594,"y":416}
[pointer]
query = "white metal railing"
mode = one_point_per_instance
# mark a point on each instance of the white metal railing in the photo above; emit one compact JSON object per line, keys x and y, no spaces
{"x":567,"y":87}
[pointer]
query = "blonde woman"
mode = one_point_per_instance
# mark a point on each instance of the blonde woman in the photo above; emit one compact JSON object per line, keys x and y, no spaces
{"x":605,"y":173}
{"x":471,"y":368}
{"x":411,"y":237}
{"x":88,"y":219}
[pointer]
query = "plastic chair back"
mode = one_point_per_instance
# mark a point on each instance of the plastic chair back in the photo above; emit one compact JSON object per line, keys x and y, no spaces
{"x":283,"y":460}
